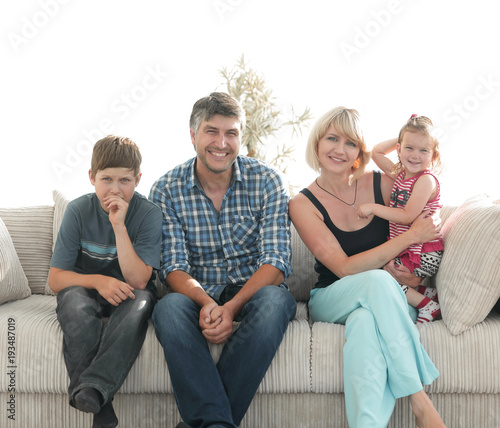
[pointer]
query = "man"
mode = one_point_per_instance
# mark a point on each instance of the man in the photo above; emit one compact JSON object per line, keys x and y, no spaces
{"x":225,"y":255}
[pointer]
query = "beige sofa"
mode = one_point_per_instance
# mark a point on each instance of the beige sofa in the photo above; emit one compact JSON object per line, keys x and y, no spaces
{"x":304,"y":385}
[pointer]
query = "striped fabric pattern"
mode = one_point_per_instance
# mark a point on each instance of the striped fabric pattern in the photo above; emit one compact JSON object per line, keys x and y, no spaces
{"x":401,"y":191}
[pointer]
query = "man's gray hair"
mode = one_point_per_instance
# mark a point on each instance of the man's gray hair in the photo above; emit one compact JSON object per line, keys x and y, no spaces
{"x":216,"y":103}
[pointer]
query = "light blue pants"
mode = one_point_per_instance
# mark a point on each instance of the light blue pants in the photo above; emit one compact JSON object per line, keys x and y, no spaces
{"x":383,"y":357}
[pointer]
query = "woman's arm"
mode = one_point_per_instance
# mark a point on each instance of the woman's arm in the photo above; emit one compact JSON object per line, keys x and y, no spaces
{"x":325,"y":247}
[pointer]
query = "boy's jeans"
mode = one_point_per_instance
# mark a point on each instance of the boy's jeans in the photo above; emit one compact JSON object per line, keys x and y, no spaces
{"x":210,"y":394}
{"x":100,"y":355}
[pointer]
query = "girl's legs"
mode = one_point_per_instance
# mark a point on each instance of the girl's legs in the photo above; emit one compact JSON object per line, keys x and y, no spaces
{"x":426,"y":302}
{"x":383,"y":357}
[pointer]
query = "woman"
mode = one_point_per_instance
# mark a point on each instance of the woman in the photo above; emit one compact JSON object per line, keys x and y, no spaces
{"x":383,"y":357}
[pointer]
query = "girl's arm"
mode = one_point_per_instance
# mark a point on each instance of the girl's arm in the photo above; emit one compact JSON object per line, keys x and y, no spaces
{"x":379,"y":155}
{"x":325,"y":247}
{"x":424,"y":190}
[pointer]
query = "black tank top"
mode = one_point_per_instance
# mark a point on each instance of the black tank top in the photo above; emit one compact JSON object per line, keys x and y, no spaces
{"x":372,"y":235}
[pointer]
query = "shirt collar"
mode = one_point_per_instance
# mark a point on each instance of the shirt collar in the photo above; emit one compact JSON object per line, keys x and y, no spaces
{"x":192,"y":178}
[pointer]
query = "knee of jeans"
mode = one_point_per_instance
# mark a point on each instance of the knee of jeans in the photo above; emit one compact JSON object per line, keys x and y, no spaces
{"x":143,"y":303}
{"x":75,"y":299}
{"x":170,"y":308}
{"x":175,"y":317}
{"x":275,"y":302}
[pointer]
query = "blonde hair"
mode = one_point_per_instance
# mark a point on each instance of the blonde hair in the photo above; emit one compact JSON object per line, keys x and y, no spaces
{"x":425,"y":126}
{"x":347,"y":123}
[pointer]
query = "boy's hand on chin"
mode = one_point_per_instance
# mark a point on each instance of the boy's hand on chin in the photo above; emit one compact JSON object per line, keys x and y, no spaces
{"x":117,"y":208}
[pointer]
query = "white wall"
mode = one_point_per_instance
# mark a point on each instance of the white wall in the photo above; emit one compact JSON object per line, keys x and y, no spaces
{"x":73,"y":71}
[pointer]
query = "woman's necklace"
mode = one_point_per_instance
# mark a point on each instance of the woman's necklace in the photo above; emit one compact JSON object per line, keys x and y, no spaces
{"x":341,"y":200}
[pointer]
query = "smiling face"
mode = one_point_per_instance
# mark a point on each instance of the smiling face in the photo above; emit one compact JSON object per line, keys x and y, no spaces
{"x":119,"y":182}
{"x":336,"y":152}
{"x":416,"y":153}
{"x":217,"y":144}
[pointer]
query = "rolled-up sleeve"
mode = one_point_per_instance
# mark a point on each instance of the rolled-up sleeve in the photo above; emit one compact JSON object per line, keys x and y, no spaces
{"x":275,"y":232}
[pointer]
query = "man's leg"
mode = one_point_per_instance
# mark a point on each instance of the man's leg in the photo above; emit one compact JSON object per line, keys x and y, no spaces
{"x":200,"y":394}
{"x":251,"y":349}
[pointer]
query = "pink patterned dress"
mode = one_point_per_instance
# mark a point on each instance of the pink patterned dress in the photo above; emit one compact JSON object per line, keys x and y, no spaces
{"x":418,"y":254}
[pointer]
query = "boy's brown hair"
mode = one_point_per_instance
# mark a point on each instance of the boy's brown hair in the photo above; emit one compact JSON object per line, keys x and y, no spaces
{"x":116,"y":152}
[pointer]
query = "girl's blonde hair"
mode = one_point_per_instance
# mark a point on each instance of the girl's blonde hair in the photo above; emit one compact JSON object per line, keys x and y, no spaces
{"x":347,"y":123}
{"x":425,"y":126}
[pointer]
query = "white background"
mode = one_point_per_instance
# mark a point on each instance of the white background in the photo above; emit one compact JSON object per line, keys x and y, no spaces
{"x":73,"y":71}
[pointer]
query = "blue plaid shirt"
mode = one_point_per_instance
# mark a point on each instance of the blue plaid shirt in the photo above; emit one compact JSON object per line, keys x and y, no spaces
{"x":226,"y":248}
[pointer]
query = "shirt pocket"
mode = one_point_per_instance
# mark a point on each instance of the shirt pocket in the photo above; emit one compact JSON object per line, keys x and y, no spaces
{"x":245,"y":230}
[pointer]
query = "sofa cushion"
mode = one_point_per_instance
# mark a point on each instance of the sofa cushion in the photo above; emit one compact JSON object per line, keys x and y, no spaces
{"x":288,"y":372}
{"x":303,"y":277}
{"x":466,"y":362}
{"x":13,"y":281}
{"x":31,"y":231}
{"x":468,"y":280}
{"x":41,"y":368}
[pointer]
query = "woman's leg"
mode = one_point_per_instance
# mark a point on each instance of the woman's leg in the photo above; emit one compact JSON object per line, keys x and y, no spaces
{"x":381,"y":339}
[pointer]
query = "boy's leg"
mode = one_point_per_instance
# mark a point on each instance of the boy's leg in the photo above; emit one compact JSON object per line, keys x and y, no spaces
{"x":121,"y":342}
{"x":251,"y":349}
{"x":79,"y":315}
{"x":200,"y":394}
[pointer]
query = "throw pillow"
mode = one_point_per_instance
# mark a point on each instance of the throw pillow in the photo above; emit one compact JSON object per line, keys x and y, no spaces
{"x":60,"y":204}
{"x":13,"y":281}
{"x":468,"y":279}
{"x":31,"y":231}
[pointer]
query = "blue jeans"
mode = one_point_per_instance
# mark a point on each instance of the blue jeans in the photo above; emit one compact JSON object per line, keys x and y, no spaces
{"x":219,"y":394}
{"x":96,"y":354}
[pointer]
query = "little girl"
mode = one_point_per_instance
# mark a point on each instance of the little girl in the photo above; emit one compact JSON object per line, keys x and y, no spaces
{"x":415,"y":189}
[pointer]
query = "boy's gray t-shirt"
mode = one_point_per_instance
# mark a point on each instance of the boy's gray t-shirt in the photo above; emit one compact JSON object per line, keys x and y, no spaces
{"x":86,"y":241}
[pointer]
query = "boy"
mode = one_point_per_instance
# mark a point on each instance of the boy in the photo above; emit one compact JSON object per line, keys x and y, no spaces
{"x":102,"y":266}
